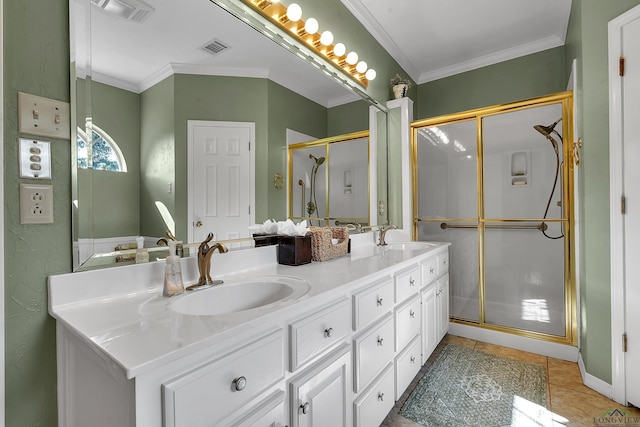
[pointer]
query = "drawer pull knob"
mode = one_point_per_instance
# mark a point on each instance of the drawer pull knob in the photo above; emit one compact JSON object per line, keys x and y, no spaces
{"x":328,"y":332}
{"x":380,"y":339}
{"x":444,"y":262}
{"x":239,"y":383}
{"x":413,"y":359}
{"x":412,"y":314}
{"x":379,"y":301}
{"x":412,"y":282}
{"x":380,"y":396}
{"x":305,"y":407}
{"x":431,"y":270}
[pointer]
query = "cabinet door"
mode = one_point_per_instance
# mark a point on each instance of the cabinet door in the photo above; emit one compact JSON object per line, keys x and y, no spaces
{"x":430,"y":313}
{"x":443,"y":306}
{"x":322,"y":395}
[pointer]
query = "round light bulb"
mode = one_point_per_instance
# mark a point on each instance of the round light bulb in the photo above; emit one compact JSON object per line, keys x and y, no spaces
{"x":361,"y":67}
{"x":326,"y":38}
{"x":371,"y":74}
{"x":294,"y":12}
{"x":339,"y":49}
{"x":311,"y":26}
{"x":352,"y":58}
{"x":275,"y":1}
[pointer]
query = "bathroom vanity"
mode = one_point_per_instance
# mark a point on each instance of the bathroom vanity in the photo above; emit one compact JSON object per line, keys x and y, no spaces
{"x":332,"y":343}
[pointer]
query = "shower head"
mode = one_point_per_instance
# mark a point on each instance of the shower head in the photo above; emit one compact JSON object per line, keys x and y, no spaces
{"x":547,"y":130}
{"x":318,"y":161}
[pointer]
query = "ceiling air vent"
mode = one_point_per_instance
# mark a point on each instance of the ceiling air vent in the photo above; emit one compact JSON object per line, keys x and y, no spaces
{"x":132,"y":10}
{"x":215,"y":46}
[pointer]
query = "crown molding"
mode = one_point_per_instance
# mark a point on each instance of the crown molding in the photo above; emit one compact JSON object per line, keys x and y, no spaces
{"x":493,"y":58}
{"x":362,"y":14}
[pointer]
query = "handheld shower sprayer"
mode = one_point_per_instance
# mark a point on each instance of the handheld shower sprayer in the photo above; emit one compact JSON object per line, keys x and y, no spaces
{"x":313,"y":204}
{"x":547,"y":131}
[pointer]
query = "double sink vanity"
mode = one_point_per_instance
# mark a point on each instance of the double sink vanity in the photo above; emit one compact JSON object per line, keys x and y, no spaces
{"x":331,"y":343}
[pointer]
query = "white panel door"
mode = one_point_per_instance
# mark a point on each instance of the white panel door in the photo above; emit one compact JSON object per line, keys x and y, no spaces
{"x":631,"y":155}
{"x":221,"y":194}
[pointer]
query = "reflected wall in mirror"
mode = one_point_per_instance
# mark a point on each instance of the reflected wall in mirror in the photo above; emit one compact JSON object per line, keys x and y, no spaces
{"x":140,"y":82}
{"x":330,"y":181}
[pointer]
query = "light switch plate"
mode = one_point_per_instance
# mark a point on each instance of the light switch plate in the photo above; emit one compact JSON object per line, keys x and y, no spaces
{"x":36,"y":204}
{"x":43,"y":116}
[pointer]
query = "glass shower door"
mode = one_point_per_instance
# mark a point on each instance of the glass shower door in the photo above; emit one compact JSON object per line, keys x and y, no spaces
{"x":447,"y":205}
{"x":524,"y":220}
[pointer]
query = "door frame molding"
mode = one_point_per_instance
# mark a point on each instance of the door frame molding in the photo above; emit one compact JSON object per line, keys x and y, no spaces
{"x":616,"y":189}
{"x":252,"y":165}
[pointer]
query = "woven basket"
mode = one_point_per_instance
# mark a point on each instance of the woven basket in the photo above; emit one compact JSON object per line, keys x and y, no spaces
{"x":321,"y":247}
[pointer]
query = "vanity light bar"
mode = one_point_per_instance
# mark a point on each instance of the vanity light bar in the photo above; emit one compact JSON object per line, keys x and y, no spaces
{"x":290,"y":19}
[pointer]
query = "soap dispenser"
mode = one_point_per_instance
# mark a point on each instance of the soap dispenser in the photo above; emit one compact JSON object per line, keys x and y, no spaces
{"x":172,"y":273}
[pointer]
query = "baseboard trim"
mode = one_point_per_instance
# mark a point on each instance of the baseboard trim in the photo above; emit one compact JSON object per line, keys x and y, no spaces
{"x":594,"y":383}
{"x":550,"y":349}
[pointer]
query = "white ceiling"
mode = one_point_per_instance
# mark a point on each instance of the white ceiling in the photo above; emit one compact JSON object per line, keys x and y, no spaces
{"x":430,"y":39}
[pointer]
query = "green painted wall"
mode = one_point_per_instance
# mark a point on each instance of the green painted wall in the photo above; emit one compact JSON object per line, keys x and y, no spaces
{"x":36,"y":60}
{"x":587,"y":41}
{"x":348,"y":118}
{"x":286,"y":110}
{"x":157,"y":155}
{"x":526,"y":77}
{"x":116,"y":195}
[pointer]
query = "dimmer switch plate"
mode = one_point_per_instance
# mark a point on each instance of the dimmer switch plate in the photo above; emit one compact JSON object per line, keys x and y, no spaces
{"x":35,"y":159}
{"x":36,"y":204}
{"x":43,"y":116}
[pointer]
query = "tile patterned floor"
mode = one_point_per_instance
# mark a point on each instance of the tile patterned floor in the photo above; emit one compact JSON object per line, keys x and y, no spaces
{"x":572,"y":403}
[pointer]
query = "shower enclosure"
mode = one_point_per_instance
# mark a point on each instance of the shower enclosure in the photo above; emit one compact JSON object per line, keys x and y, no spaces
{"x":497,"y":183}
{"x":329,"y":182}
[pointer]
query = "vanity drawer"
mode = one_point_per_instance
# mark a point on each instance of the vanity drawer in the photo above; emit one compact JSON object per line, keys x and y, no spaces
{"x":443,"y":263}
{"x":373,"y":350}
{"x":407,"y":366}
{"x":270,"y":412}
{"x":429,"y":270}
{"x":407,"y":283}
{"x":408,"y":322}
{"x":231,"y":382}
{"x":311,"y":335}
{"x":372,"y":303}
{"x":373,"y":405}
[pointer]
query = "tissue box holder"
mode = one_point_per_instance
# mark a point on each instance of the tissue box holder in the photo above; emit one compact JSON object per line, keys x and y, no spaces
{"x":321,"y":247}
{"x":294,"y":250}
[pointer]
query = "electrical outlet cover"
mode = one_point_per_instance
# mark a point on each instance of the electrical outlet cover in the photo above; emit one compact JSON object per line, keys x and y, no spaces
{"x":36,"y":204}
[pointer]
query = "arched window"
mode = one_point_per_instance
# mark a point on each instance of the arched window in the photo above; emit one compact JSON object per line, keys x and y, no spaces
{"x":105,"y":153}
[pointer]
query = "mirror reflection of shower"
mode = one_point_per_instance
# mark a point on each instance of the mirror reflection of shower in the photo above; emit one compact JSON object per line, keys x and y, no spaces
{"x":547,"y":132}
{"x":312,"y":206}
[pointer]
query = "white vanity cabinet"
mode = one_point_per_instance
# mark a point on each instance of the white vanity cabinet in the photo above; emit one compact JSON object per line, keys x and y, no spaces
{"x":339,"y":356}
{"x":435,"y":302}
{"x":321,"y":395}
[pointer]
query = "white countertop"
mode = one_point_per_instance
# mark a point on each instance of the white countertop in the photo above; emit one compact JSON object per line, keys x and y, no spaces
{"x":121,"y":314}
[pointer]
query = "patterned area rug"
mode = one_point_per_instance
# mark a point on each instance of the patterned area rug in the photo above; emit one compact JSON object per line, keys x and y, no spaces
{"x":467,"y":388}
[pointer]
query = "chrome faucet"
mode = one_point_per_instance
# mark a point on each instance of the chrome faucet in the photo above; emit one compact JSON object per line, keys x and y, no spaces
{"x":383,"y":231}
{"x":204,"y":263}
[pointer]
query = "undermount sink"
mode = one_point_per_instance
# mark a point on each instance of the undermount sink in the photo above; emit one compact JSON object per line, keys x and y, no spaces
{"x":237,"y":295}
{"x":411,"y":246}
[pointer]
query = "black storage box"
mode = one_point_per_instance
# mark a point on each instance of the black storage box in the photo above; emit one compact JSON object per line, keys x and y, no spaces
{"x":265,"y":239}
{"x":294,"y":250}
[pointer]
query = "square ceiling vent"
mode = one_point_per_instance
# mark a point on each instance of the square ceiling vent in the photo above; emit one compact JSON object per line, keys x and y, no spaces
{"x":216,"y":47}
{"x":131,"y":10}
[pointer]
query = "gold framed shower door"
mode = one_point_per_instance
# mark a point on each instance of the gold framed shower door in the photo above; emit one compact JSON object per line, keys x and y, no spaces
{"x":482,"y":223}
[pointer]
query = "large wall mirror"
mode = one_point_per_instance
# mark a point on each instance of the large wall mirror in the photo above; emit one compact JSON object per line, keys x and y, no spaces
{"x":142,"y":71}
